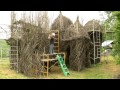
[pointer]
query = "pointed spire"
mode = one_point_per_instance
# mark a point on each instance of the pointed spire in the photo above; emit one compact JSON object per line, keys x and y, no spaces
{"x":93,"y":24}
{"x":77,"y":23}
{"x":61,"y":20}
{"x":77,"y":18}
{"x":60,"y":12}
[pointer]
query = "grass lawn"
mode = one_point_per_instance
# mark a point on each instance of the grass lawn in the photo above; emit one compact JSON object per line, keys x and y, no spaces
{"x":102,"y":70}
{"x":7,"y":73}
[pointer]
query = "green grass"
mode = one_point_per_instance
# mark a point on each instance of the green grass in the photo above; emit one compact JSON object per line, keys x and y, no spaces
{"x":102,"y":70}
{"x":7,"y":73}
{"x":5,"y":48}
{"x":99,"y":71}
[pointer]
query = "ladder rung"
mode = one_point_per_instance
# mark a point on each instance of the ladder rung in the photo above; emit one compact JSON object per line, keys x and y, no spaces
{"x":65,"y":68}
{"x":68,"y":73}
{"x":97,"y":45}
{"x":97,"y":42}
{"x":56,"y":47}
{"x":13,"y":63}
{"x":64,"y":65}
{"x":13,"y":54}
{"x":13,"y":46}
{"x":91,"y":58}
{"x":44,"y":72}
{"x":98,"y":56}
{"x":98,"y":49}
{"x":13,"y":50}
{"x":56,"y":38}
{"x":56,"y":50}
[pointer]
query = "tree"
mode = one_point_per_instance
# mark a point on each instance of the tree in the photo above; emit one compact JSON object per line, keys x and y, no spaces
{"x":13,"y":19}
{"x":116,"y":15}
{"x":114,"y":21}
{"x":108,"y":32}
{"x":42,"y":19}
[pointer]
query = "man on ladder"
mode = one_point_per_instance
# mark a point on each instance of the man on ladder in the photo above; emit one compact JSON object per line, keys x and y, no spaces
{"x":51,"y":37}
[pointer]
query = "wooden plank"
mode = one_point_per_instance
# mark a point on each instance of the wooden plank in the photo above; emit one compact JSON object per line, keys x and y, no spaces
{"x":45,"y":60}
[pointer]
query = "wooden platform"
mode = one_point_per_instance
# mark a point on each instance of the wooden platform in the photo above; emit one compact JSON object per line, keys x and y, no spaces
{"x":48,"y":60}
{"x":45,"y":58}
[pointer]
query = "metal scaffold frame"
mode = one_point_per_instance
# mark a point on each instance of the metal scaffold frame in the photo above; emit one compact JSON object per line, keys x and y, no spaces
{"x":14,"y":55}
{"x":96,"y":43}
{"x":7,"y":33}
{"x":46,"y":58}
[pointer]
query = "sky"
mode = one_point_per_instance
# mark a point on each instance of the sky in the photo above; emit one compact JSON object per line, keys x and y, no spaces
{"x":84,"y":17}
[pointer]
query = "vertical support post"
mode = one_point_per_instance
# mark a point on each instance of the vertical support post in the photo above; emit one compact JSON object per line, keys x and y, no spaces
{"x":65,"y":58}
{"x":17,"y":56}
{"x":58,"y":41}
{"x":94,"y":41}
{"x":99,"y":47}
{"x":1,"y":52}
{"x":47,"y":67}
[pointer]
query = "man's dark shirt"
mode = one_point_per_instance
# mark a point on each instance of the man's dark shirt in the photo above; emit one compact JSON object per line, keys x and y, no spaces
{"x":52,"y":40}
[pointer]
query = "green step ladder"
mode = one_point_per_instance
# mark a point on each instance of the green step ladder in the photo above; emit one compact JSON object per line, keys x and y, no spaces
{"x":63,"y":65}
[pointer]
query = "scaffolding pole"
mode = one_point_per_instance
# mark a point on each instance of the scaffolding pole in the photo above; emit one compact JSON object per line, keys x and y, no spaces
{"x":94,"y":41}
{"x":1,"y":52}
{"x":17,"y":56}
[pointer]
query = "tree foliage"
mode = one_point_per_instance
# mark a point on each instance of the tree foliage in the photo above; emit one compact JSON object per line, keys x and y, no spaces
{"x":114,"y":19}
{"x":4,"y":49}
{"x":108,"y":25}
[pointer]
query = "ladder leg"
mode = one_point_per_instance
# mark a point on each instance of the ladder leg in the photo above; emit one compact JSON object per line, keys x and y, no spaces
{"x":47,"y":67}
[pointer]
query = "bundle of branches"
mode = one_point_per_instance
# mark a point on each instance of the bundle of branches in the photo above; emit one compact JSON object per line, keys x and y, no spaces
{"x":65,"y":47}
{"x":32,"y":42}
{"x":79,"y":53}
{"x":75,"y":30}
{"x":77,"y":43}
{"x":61,"y":23}
{"x":78,"y":27}
{"x":93,"y":24}
{"x":89,"y":26}
{"x":70,"y":32}
{"x":31,"y":45}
